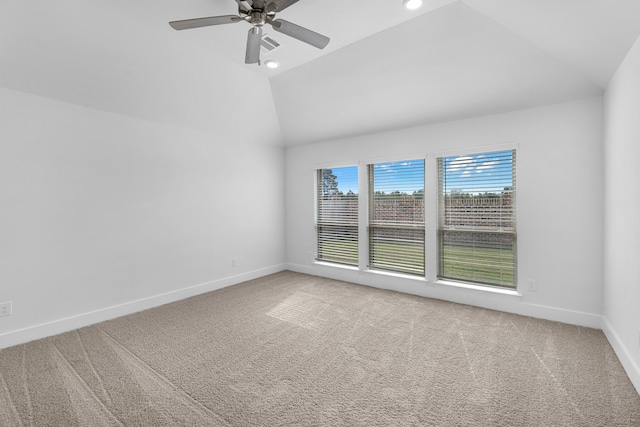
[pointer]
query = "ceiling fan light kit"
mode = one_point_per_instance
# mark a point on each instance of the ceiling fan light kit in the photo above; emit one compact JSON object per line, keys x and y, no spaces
{"x":258,"y":13}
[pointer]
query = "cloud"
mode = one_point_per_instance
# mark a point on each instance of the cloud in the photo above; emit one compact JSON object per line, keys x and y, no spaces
{"x":486,"y":165}
{"x":460,"y":163}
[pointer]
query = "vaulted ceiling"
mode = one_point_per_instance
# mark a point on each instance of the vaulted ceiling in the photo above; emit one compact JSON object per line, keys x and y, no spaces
{"x":385,"y":67}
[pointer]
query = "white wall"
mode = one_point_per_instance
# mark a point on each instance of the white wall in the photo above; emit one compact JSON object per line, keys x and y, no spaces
{"x":622,"y":213}
{"x":103,"y":214}
{"x":131,"y":164}
{"x":560,"y":213}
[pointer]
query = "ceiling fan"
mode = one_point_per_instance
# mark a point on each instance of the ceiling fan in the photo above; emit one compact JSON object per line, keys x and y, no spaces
{"x":258,"y":13}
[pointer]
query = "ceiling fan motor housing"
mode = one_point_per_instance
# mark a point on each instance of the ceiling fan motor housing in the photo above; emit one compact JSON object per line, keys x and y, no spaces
{"x":257,"y":18}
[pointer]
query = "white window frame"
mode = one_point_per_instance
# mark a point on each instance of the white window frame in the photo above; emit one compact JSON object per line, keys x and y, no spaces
{"x":369,"y":165}
{"x":317,"y":224}
{"x":435,"y":259}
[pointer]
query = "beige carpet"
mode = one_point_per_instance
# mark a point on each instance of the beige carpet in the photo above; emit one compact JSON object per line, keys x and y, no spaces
{"x":291,"y":349}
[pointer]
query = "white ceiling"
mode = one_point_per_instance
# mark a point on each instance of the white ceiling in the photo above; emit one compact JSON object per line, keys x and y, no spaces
{"x":451,"y":63}
{"x":385,"y":67}
{"x":344,"y":22}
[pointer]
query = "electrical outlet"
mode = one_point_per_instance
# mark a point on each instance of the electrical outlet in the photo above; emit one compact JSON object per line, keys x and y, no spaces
{"x":234,"y":262}
{"x":5,"y":308}
{"x":531,"y":285}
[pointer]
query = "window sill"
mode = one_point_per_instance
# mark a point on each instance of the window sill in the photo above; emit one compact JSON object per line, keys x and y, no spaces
{"x":336,"y":265}
{"x":397,"y":275}
{"x":482,"y":288}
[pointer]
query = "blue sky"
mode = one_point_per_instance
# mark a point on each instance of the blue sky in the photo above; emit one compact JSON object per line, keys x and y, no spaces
{"x":347,"y":178}
{"x":477,"y":173}
{"x":405,"y":176}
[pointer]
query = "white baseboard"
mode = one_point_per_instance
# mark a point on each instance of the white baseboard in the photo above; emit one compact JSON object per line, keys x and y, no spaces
{"x":479,"y":298}
{"x":59,"y":326}
{"x":629,"y":365}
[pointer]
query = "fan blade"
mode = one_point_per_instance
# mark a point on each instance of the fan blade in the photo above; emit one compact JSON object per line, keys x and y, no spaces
{"x":205,"y":22}
{"x":280,"y":5}
{"x":252,"y":56}
{"x":244,"y":6}
{"x":300,"y":33}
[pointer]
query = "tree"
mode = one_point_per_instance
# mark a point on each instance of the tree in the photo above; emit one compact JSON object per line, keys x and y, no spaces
{"x":457,"y":193}
{"x":329,"y":183}
{"x":487,"y":195}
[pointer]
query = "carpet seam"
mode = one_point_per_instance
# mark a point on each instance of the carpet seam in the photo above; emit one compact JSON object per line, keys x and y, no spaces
{"x":166,"y":380}
{"x":86,"y":386}
{"x":552,"y":376}
{"x":559,"y":384}
{"x":13,"y":405}
{"x":93,"y":368}
{"x":466,"y":351}
{"x":26,"y":386}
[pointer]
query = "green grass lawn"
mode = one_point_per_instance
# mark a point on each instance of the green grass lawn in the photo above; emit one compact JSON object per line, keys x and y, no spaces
{"x":403,"y":257}
{"x":481,"y":265}
{"x":340,"y":251}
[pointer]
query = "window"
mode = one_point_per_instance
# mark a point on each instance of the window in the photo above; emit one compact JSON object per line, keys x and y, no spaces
{"x":396,"y":216}
{"x":337,"y":215}
{"x":477,"y":218}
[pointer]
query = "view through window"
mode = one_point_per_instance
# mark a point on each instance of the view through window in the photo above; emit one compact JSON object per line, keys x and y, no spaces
{"x":396,"y":216}
{"x":477,"y":218}
{"x":337,"y":215}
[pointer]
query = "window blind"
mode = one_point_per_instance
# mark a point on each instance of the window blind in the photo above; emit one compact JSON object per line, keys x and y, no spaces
{"x":396,"y":216}
{"x":337,"y":215}
{"x":477,"y":218}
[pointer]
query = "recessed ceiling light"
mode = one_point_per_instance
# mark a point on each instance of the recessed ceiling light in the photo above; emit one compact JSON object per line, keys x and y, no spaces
{"x":272,"y":64}
{"x":412,"y":4}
